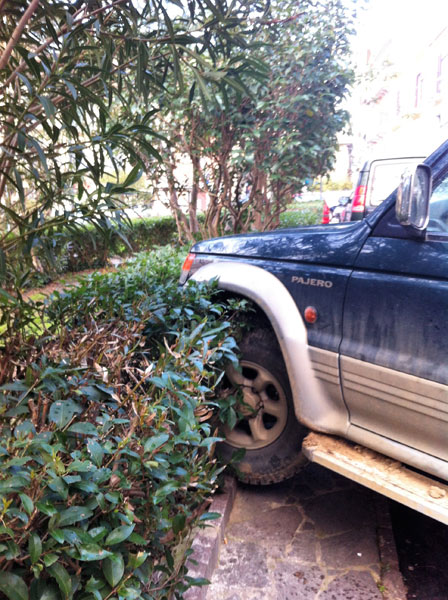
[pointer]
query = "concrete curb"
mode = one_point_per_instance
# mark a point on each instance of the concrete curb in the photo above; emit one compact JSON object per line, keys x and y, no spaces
{"x":392,"y":580}
{"x":207,"y":542}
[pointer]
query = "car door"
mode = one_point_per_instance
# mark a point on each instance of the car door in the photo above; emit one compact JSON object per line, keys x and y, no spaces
{"x":394,"y":351}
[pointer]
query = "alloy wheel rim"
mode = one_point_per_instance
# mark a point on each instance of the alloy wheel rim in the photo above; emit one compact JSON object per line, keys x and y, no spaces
{"x":263,"y":411}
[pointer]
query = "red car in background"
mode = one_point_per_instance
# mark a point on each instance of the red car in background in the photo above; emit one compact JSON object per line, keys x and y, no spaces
{"x":335,"y":212}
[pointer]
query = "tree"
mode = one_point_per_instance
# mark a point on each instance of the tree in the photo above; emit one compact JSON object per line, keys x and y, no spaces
{"x":81,"y":86}
{"x":79,"y":82}
{"x":253,"y":147}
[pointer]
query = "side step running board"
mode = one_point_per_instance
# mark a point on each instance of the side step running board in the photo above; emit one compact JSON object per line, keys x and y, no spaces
{"x":379,"y":473}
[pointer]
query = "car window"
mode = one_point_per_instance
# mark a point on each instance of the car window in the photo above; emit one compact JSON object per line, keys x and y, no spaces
{"x":438,"y":208}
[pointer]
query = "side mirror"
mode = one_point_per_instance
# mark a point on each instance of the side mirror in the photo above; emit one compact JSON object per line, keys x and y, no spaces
{"x":414,"y":192}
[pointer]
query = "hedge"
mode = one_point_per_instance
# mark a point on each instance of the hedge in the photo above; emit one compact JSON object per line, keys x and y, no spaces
{"x":70,"y":249}
{"x":106,"y":441}
{"x":302,"y":213}
{"x":89,"y":247}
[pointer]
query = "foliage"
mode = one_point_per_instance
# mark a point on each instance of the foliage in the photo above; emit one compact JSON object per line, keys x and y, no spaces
{"x":302,"y":213}
{"x":330,"y":185}
{"x":71,"y":249}
{"x":82,"y":84}
{"x":87,"y":248}
{"x":105,"y":462}
{"x":255,"y":146}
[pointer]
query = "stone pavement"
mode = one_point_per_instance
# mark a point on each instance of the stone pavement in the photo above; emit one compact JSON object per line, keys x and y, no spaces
{"x":315,"y":537}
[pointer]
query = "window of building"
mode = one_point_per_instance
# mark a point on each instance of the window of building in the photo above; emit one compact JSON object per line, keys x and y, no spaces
{"x":419,"y":90}
{"x":441,"y":73}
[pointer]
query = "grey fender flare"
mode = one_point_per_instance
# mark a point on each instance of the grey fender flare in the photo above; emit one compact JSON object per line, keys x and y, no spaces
{"x":313,"y":406}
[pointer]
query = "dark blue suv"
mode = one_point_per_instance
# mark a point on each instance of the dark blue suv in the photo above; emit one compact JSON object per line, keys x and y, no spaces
{"x":347,"y":364}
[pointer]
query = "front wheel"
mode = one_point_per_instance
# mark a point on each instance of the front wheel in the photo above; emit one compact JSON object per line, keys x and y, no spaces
{"x":267,"y":428}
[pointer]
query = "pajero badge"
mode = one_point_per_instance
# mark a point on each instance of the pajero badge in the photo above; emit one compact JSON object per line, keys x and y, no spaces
{"x":310,"y":281}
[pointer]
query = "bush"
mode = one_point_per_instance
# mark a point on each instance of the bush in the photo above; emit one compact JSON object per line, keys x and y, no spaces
{"x":106,"y":460}
{"x":302,"y":213}
{"x":89,"y":247}
{"x":67,"y":249}
{"x":329,"y":185}
{"x":149,"y":232}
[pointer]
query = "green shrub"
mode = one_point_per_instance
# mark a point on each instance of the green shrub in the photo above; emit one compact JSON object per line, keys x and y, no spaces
{"x":105,"y":444}
{"x":329,"y":185}
{"x":89,"y":247}
{"x":152,"y":231}
{"x":302,"y":213}
{"x":67,"y":249}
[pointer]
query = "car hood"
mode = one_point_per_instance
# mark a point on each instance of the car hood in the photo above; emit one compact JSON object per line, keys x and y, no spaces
{"x":325,"y":244}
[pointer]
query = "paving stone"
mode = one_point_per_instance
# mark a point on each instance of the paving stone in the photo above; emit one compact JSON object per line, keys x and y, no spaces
{"x":356,"y":547}
{"x":317,"y":479}
{"x":247,"y":594}
{"x":300,"y":541}
{"x":219,"y":593}
{"x":296,"y":582}
{"x":300,"y":491}
{"x":255,"y":499}
{"x":304,"y":546}
{"x":272,"y":526}
{"x":242,"y":562}
{"x":355,"y":585}
{"x":340,"y":511}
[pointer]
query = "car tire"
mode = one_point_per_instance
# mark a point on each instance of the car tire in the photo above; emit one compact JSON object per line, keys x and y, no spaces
{"x":268,"y":430}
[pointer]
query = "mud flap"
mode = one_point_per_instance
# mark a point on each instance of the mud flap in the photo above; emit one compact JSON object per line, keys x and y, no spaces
{"x":379,"y":473}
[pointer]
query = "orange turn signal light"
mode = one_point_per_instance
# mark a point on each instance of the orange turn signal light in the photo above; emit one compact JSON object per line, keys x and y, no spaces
{"x":188,"y":262}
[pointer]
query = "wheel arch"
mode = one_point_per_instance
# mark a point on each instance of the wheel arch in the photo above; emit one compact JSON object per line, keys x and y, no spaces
{"x":312,"y":405}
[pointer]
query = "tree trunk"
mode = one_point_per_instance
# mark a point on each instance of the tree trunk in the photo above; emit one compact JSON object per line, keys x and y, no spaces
{"x":183,"y":229}
{"x":193,"y":205}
